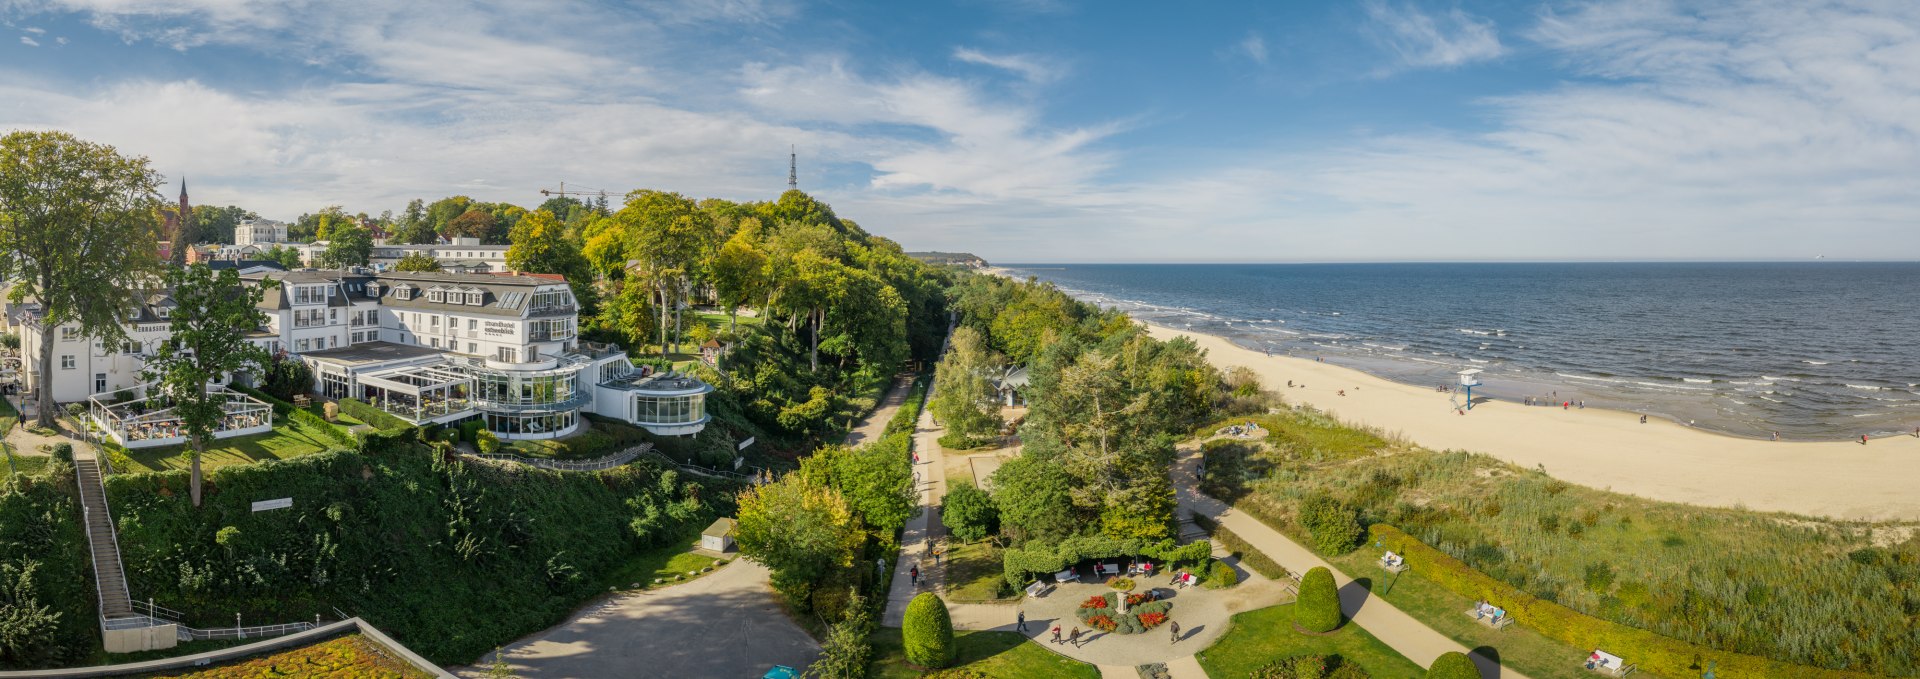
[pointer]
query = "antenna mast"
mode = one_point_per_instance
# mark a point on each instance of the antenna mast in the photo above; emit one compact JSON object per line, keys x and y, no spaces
{"x":793,"y":168}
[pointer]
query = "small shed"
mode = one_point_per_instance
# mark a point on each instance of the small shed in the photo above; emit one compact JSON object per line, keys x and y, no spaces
{"x":718,"y":537}
{"x":712,"y":350}
{"x":1011,"y":387}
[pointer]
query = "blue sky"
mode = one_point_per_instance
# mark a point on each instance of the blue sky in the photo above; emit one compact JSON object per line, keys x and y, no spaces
{"x":1042,"y":130}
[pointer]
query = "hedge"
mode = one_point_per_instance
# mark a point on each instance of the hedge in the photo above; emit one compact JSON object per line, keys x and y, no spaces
{"x":1318,"y":608}
{"x":909,"y":413}
{"x":1022,"y":563}
{"x":1654,"y":653}
{"x":280,"y":408}
{"x":927,"y":632}
{"x":381,"y":442}
{"x":377,"y":418}
{"x":1250,"y":556}
{"x":1453,"y":665}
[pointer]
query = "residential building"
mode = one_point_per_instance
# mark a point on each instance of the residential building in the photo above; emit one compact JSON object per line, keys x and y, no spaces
{"x":259,"y":232}
{"x":462,"y":255}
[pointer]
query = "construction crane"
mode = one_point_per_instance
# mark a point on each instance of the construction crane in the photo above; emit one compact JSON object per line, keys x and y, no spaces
{"x":562,"y":191}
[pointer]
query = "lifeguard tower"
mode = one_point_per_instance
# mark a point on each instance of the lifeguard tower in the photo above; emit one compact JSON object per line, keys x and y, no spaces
{"x":1469,"y":379}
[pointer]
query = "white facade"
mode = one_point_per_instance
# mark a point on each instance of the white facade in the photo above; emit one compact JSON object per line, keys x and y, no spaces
{"x":259,"y":232}
{"x":465,"y":255}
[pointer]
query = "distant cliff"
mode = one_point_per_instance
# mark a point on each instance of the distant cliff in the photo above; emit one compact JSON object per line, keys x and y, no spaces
{"x":966,"y":259}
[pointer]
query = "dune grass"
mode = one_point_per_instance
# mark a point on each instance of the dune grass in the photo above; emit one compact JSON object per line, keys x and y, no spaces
{"x":1001,"y":655}
{"x":1262,"y":636}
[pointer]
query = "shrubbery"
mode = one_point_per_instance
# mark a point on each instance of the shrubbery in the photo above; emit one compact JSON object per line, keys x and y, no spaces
{"x":1318,"y":608}
{"x":374,"y":417}
{"x":451,"y":558}
{"x":47,"y":615}
{"x":1334,"y":527}
{"x":1222,"y":576}
{"x":968,"y":513}
{"x":927,"y":632}
{"x":1310,"y":667}
{"x":1453,"y":665}
{"x":1103,"y":613}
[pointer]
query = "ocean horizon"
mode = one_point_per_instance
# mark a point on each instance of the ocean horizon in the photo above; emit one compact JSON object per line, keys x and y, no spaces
{"x":1815,"y":350}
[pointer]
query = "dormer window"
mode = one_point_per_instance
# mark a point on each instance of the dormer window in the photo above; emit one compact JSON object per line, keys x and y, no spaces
{"x":373,"y":290}
{"x":403,"y":292}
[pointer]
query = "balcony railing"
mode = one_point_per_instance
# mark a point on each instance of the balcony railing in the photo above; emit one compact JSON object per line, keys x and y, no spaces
{"x":551,"y":308}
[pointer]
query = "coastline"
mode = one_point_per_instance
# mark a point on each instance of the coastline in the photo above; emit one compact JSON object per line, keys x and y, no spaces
{"x":1608,"y":449}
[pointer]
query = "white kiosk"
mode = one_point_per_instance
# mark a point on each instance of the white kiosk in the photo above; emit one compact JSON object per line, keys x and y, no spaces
{"x":1469,"y":379}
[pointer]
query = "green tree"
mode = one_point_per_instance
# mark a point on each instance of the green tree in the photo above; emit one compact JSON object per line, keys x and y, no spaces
{"x":1318,"y":607}
{"x":847,"y":649}
{"x":286,"y":256}
{"x":540,"y":245}
{"x":416,"y":227}
{"x":474,"y":223}
{"x":801,"y":531}
{"x":876,"y":479}
{"x":927,"y":632}
{"x":1034,"y":498}
{"x":968,"y":513}
{"x":210,"y":323}
{"x":1334,"y":526}
{"x":739,"y":272}
{"x":29,"y":630}
{"x":966,"y":402}
{"x":1453,"y":665}
{"x":665,"y":233}
{"x":350,"y":244}
{"x":445,"y":210}
{"x":417,"y":261}
{"x":77,"y":234}
{"x":215,"y":224}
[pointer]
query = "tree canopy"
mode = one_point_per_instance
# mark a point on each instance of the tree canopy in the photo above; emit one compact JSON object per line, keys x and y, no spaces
{"x":212,"y":315}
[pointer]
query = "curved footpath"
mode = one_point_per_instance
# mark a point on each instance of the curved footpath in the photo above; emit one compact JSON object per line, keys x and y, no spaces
{"x":1608,"y":449}
{"x":1407,"y":635}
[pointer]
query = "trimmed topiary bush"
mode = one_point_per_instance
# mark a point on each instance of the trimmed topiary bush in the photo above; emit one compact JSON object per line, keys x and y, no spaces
{"x":1318,"y":608}
{"x":927,"y":632}
{"x":1222,"y":576}
{"x":1453,"y":665}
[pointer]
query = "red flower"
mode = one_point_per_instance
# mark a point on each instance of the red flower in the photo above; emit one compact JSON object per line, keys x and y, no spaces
{"x":1095,"y":602}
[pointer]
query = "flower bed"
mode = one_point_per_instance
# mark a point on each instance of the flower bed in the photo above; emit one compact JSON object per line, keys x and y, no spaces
{"x":1120,"y":584}
{"x":1101,"y":613}
{"x":347,"y":656}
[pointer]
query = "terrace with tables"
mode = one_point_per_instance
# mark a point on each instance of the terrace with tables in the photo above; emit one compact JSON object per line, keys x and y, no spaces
{"x":148,"y":421}
{"x":434,"y":392}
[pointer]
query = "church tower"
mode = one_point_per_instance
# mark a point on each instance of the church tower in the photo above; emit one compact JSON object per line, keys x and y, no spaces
{"x":179,"y":244}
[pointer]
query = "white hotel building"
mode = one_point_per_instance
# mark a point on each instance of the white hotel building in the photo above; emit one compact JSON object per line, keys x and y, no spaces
{"x":427,"y":347}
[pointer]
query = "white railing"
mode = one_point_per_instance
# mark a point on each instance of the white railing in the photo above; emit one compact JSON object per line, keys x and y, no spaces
{"x":594,"y":465}
{"x":113,"y":533}
{"x":191,"y":634}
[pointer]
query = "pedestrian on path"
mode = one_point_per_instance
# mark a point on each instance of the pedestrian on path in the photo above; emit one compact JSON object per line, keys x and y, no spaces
{"x":913,"y":575}
{"x":1074,"y":637}
{"x":1056,"y":633}
{"x":1020,"y":621}
{"x":1176,"y":632}
{"x":936,"y":556}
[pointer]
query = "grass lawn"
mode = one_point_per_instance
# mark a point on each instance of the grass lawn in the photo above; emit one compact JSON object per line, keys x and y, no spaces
{"x":667,"y":561}
{"x":28,"y":464}
{"x":1517,"y":646}
{"x":1263,"y":636}
{"x":320,"y":409}
{"x":291,"y":438}
{"x":1002,"y":655}
{"x":974,"y":572}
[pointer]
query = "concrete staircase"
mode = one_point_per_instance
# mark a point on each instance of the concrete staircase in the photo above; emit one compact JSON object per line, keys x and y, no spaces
{"x":107,"y":573}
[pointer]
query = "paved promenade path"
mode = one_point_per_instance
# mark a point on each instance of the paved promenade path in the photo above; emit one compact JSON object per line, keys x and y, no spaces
{"x":1409,"y":636}
{"x":930,"y":482}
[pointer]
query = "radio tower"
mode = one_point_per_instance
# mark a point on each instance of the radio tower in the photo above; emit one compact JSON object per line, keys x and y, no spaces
{"x":793,"y":168}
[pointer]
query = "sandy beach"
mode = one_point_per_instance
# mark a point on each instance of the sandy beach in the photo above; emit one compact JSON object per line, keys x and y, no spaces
{"x":1609,"y":449}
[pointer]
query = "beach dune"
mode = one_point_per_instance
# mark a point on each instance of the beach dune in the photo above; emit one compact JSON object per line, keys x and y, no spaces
{"x":1608,"y":449}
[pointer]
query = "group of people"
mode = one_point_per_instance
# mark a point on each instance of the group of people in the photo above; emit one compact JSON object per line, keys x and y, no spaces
{"x":1072,"y":638}
{"x":1241,"y":430}
{"x":1182,"y":579}
{"x":1564,"y":405}
{"x":1484,"y":610}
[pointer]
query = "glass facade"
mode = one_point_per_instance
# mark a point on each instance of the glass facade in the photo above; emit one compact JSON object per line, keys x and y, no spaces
{"x":686,"y":409}
{"x":535,"y":389}
{"x":530,"y":425}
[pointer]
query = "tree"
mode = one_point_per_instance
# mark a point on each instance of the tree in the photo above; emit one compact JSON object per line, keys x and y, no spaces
{"x":215,"y":224}
{"x":540,"y":245}
{"x":473,"y":223}
{"x":801,"y":531}
{"x":1334,"y":526}
{"x":876,"y":479}
{"x":287,"y":257}
{"x":1034,"y":498}
{"x":1318,"y":607}
{"x":665,"y":233}
{"x":927,"y":632}
{"x":847,"y":650}
{"x":78,"y":232}
{"x":416,"y":228}
{"x":351,"y":245}
{"x":1453,"y":665}
{"x":739,"y":272}
{"x":966,"y":401}
{"x":417,"y":261}
{"x":29,"y":630}
{"x":968,"y":513}
{"x":210,"y":322}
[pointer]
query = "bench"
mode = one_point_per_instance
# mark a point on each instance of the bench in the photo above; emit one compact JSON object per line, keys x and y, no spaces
{"x":1395,"y":569}
{"x":1067,"y":575}
{"x":1611,"y":665}
{"x":1108,"y":569}
{"x":1039,"y":589}
{"x":1487,"y":620}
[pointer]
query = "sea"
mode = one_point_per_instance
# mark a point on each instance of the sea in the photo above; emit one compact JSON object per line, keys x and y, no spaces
{"x":1805,"y":350}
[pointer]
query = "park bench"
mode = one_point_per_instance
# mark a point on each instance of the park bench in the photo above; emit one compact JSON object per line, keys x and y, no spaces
{"x":1068,"y":575}
{"x":1039,"y":589}
{"x":1487,"y":619}
{"x":1396,"y":566}
{"x":1609,"y":664}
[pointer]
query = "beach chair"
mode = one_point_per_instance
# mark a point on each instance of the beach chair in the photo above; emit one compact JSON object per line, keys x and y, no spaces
{"x":1394,"y":568}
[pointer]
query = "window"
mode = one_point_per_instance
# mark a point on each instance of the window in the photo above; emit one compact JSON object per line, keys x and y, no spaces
{"x":66,"y":361}
{"x":302,"y":345}
{"x":434,"y":321}
{"x":333,"y":316}
{"x":473,"y":348}
{"x":69,"y":334}
{"x":473,"y":324}
{"x":310,"y":294}
{"x":132,"y":348}
{"x":436,"y":342}
{"x":333,"y":342}
{"x":509,"y":355}
{"x":373,"y":335}
{"x":99,"y":383}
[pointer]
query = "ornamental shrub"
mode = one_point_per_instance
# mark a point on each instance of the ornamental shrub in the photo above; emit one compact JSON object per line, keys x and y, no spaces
{"x":968,"y":513}
{"x":1453,"y":665}
{"x":486,"y":441}
{"x":927,"y":632}
{"x":1222,"y":576}
{"x":1318,"y":608}
{"x":1335,"y":527}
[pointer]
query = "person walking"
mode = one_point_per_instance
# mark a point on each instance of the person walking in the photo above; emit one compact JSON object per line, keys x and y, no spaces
{"x":1074,"y":637}
{"x":1863,"y":439}
{"x":913,"y":575}
{"x":1056,"y":633}
{"x":1020,"y":621}
{"x":936,"y":556}
{"x":1176,"y":631}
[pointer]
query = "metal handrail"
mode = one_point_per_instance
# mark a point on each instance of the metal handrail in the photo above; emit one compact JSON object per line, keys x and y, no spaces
{"x":594,"y":465}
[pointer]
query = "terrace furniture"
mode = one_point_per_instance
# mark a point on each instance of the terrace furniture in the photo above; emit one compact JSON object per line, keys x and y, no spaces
{"x":1039,"y":589}
{"x":1488,"y":619}
{"x":1609,"y":664}
{"x":1067,"y":575}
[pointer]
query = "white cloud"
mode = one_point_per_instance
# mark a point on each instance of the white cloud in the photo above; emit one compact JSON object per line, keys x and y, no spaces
{"x":1032,"y":68}
{"x":35,"y":30}
{"x":30,"y":42}
{"x":1254,"y":47}
{"x":1422,"y":40}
